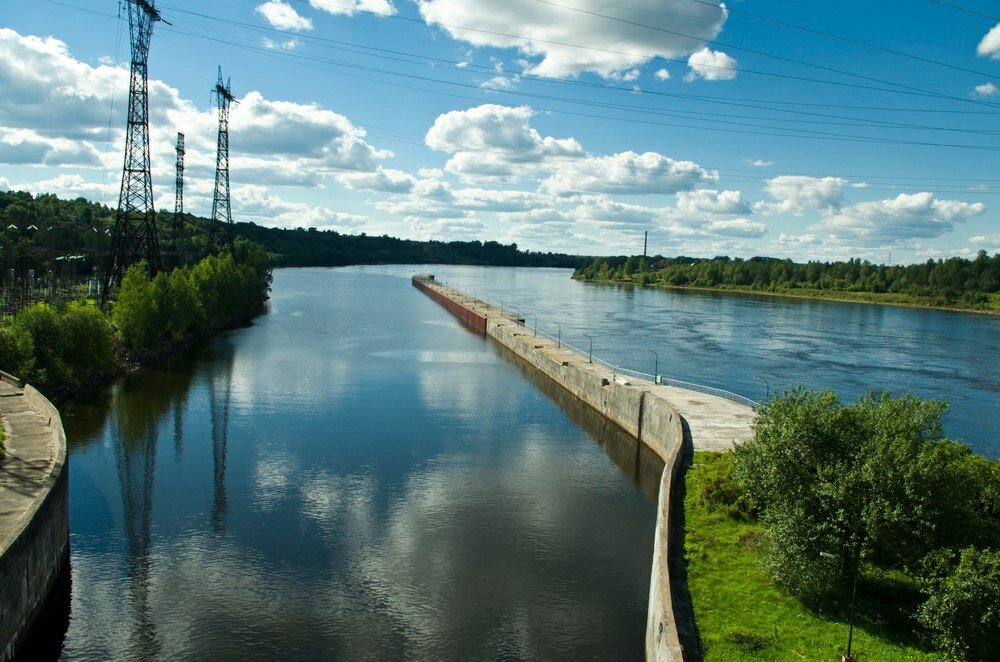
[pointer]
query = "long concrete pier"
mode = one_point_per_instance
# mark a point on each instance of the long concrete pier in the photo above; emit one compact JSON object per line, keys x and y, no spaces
{"x":661,"y":417}
{"x":34,"y":508}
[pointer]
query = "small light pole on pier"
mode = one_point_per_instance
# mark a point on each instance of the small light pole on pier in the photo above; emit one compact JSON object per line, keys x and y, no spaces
{"x":590,"y":351}
{"x":559,"y":340}
{"x":767,"y":392}
{"x":656,"y":366}
{"x":535,"y":320}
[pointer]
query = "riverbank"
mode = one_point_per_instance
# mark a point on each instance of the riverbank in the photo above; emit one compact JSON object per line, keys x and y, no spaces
{"x":877,"y":298}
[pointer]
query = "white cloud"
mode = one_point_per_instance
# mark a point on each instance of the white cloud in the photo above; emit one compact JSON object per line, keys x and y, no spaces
{"x":69,"y":186}
{"x":349,"y":7}
{"x":264,"y":127}
{"x":258,"y":204}
{"x":737,"y":227}
{"x":758,"y":163}
{"x":711,"y":65}
{"x":797,"y":194}
{"x":26,"y":147}
{"x":385,"y":180}
{"x":283,"y":16}
{"x":566,"y":41}
{"x":711,"y":201}
{"x":990,"y":45}
{"x":662,"y":74}
{"x":985,"y":240}
{"x":986,"y":90}
{"x":495,"y":142}
{"x":288,"y":45}
{"x":907,"y":216}
{"x":627,"y":173}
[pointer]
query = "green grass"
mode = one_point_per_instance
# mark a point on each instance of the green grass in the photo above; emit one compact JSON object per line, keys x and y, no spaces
{"x":741,"y":616}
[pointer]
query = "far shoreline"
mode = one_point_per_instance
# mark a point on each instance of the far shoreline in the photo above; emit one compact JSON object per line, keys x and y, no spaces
{"x":813,"y":297}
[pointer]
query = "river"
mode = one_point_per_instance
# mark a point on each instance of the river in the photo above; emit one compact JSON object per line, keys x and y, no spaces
{"x":725,"y":339}
{"x":355,"y":475}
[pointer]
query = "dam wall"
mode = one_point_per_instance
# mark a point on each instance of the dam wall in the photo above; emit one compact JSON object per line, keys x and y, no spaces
{"x":34,"y":508}
{"x":635,"y":408}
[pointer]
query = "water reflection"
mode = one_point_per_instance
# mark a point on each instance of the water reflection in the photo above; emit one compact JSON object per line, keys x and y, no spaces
{"x":366,"y":481}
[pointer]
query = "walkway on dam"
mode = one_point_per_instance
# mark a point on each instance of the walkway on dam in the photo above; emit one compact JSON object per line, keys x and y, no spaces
{"x":714,"y":423}
{"x":27,"y":460}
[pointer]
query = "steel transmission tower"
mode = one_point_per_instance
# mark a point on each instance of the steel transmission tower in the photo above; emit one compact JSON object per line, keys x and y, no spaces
{"x":134,"y":236}
{"x":221,"y":210}
{"x":178,"y":227}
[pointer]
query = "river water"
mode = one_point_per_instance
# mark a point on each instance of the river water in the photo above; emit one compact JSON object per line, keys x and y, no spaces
{"x":356,"y":476}
{"x":724,"y":340}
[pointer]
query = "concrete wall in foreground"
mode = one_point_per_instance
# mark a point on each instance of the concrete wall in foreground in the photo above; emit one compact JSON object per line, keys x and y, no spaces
{"x":30,"y":564}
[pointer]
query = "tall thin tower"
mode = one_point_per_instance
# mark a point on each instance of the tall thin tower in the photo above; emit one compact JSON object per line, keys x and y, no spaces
{"x":178,"y":226}
{"x":221,"y":211}
{"x":134,"y":236}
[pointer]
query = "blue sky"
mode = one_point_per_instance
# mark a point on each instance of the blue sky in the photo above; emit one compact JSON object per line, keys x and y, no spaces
{"x":810,"y":129}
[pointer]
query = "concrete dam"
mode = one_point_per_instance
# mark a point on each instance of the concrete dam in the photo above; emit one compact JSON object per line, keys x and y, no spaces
{"x":663,"y":418}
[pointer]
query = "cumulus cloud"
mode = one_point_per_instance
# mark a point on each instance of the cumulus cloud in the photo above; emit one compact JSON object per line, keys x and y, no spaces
{"x":711,"y":201}
{"x":26,"y":147}
{"x":662,"y":74}
{"x":737,"y":227}
{"x":711,"y":65}
{"x":350,"y":7}
{"x":758,"y":163}
{"x":797,"y":194}
{"x":264,"y":127}
{"x":287,"y":45}
{"x":385,"y":180}
{"x":986,"y":90}
{"x":257,"y":203}
{"x":567,"y":41}
{"x":493,"y":141}
{"x":627,"y":173}
{"x":907,"y":216}
{"x":990,"y":44}
{"x":283,"y":16}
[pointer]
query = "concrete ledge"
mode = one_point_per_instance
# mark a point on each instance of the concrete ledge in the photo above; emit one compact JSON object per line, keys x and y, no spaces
{"x":34,"y":508}
{"x":647,"y":412}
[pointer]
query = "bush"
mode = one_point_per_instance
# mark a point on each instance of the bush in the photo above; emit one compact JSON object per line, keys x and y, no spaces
{"x":17,"y":351}
{"x":963,"y":610}
{"x":718,"y":487}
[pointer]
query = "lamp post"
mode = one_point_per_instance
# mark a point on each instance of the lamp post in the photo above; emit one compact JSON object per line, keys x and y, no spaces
{"x":590,"y":351}
{"x":559,"y":340}
{"x":536,"y":321}
{"x":656,"y":366}
{"x":854,"y":594}
{"x":767,"y":392}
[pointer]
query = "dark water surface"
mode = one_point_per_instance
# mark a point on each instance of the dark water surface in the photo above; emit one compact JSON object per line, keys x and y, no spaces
{"x":355,"y":476}
{"x":724,"y":339}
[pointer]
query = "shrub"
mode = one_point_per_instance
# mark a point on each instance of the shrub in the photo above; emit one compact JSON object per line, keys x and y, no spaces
{"x":963,"y":610}
{"x":17,"y":351}
{"x":718,"y":487}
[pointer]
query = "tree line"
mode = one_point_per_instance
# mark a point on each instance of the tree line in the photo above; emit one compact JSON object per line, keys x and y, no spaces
{"x":953,"y":281}
{"x":81,"y":228}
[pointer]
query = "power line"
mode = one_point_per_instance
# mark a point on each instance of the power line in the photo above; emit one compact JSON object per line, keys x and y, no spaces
{"x":844,"y":39}
{"x":966,"y":10}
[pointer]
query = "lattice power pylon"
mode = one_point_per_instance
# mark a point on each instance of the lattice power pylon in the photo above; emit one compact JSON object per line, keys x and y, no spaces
{"x":178,"y":226}
{"x":221,"y":210}
{"x":134,"y":236}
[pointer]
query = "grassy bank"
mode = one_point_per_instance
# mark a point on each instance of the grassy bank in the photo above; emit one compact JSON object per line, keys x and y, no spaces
{"x":990,"y":307}
{"x":741,"y":615}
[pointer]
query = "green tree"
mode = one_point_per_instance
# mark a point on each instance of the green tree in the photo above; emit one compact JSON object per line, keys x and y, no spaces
{"x":872,"y":482}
